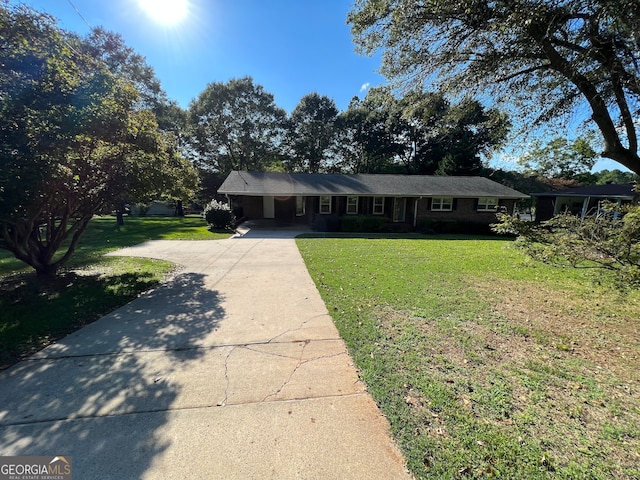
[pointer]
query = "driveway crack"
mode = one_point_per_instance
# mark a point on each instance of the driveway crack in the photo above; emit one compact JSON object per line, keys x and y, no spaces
{"x":300,"y":327}
{"x":226,"y":377}
{"x":295,"y":369}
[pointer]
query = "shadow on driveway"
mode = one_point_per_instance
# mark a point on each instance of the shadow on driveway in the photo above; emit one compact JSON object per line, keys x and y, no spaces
{"x":107,"y":389}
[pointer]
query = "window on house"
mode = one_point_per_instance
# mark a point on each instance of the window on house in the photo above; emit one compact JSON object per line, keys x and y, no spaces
{"x":442,"y":204}
{"x":325,"y":204}
{"x":488,"y":204}
{"x":300,"y":206}
{"x":352,"y":205}
{"x":378,"y":205}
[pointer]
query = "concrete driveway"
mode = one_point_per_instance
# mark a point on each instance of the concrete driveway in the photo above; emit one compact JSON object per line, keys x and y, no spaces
{"x":233,"y":369}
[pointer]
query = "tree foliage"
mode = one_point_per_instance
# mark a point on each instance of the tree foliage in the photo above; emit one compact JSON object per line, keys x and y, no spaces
{"x":312,"y":132}
{"x":615,"y":176}
{"x":236,"y":126}
{"x":366,"y":142}
{"x":548,"y":57}
{"x":609,"y":241}
{"x":419,"y":133}
{"x":74,"y":140}
{"x":560,"y":158}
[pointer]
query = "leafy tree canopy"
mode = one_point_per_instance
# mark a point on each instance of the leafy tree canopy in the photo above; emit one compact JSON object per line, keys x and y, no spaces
{"x":236,"y":126}
{"x":74,"y":139}
{"x":366,"y":142}
{"x":419,"y":133}
{"x":549,"y":58}
{"x":560,"y":158}
{"x":311,"y":135}
{"x":615,"y":176}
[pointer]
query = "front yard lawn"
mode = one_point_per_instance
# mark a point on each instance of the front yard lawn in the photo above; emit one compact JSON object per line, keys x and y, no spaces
{"x":485,"y":363}
{"x":34,"y":313}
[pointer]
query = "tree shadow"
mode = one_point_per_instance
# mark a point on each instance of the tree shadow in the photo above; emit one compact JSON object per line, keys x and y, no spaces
{"x":104,"y":394}
{"x":36,"y":311}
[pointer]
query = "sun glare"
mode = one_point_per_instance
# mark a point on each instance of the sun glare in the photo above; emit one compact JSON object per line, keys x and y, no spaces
{"x":165,"y":12}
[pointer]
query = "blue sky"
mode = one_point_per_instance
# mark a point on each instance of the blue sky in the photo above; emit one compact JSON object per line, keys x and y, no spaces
{"x":290,"y":47}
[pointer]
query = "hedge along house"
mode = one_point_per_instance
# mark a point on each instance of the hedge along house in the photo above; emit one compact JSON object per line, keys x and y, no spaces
{"x":406,"y":200}
{"x":582,"y":201}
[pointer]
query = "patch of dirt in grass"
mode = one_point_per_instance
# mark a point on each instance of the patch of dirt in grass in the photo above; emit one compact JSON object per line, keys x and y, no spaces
{"x":510,"y":373}
{"x":583,"y":326}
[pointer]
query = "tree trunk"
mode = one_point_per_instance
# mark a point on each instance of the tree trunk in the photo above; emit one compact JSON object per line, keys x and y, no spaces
{"x":46,"y":271}
{"x":179,"y":209}
{"x":625,"y":157}
{"x":119,"y":217}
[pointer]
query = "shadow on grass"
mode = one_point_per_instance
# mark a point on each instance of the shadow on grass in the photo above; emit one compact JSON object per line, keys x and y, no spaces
{"x":104,"y":393}
{"x":35,"y":312}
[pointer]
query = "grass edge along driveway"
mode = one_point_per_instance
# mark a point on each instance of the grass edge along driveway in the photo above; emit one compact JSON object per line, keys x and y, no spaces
{"x":34,"y":313}
{"x":485,"y":363}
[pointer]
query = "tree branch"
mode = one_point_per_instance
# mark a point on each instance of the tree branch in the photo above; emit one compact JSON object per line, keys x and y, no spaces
{"x":523,"y":72}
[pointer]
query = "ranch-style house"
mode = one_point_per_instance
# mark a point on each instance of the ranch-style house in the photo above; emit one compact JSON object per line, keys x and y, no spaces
{"x":310,"y":198}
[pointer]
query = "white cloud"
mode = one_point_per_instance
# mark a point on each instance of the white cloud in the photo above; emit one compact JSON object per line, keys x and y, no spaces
{"x":365,"y":86}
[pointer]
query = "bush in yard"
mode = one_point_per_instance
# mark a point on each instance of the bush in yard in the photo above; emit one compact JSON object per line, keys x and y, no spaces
{"x":362,"y":223}
{"x":219,"y":216}
{"x":326,"y":223}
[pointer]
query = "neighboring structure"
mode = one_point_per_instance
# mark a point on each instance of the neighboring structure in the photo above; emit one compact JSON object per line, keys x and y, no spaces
{"x":160,"y":207}
{"x":310,"y":198}
{"x":581,"y":201}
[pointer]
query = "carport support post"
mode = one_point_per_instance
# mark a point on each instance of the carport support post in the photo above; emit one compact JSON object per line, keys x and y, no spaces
{"x":585,"y":206}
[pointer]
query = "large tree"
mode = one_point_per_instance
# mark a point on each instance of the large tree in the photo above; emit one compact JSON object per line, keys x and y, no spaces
{"x":560,"y":158}
{"x":365,"y":140}
{"x":448,"y":139}
{"x":73,"y":140}
{"x":236,"y":126}
{"x":311,"y":134}
{"x":419,"y":133}
{"x":548,"y":57}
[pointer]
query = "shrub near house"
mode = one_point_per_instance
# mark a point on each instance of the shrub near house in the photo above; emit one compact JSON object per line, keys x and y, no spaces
{"x":219,"y":216}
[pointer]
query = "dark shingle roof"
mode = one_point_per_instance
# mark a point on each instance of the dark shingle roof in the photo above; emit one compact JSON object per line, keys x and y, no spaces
{"x":313,"y":184}
{"x":610,"y":190}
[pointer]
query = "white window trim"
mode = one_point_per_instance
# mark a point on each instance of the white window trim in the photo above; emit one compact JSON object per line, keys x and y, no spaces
{"x":381,"y":205}
{"x":438,"y":207}
{"x":356,"y":205}
{"x":483,"y":205}
{"x":325,"y":204}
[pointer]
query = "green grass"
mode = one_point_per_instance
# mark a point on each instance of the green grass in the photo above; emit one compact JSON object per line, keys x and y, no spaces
{"x":35,"y":312}
{"x":485,"y":363}
{"x":103,"y":235}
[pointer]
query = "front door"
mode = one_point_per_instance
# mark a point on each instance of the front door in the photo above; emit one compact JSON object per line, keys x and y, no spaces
{"x":399,"y":209}
{"x":268,"y":207}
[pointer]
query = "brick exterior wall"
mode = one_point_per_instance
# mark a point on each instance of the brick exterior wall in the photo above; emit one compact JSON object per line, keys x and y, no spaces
{"x":464,"y":209}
